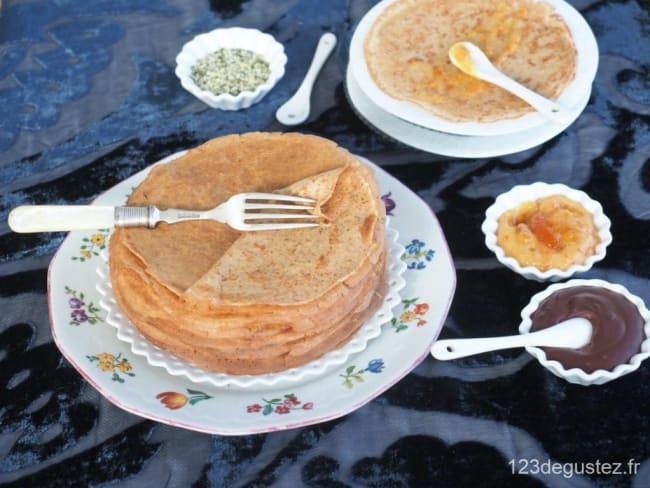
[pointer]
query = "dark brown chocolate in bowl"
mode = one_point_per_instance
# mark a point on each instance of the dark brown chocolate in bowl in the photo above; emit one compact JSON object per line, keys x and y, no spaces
{"x":617,"y":326}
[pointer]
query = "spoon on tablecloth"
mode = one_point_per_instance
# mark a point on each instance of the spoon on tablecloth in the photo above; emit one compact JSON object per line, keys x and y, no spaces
{"x":470,"y":59}
{"x":573,"y":333}
{"x":296,"y":110}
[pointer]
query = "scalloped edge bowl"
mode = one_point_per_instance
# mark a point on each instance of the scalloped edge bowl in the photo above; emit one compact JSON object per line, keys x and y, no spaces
{"x":525,"y":193}
{"x":231,"y":38}
{"x":576,"y":375}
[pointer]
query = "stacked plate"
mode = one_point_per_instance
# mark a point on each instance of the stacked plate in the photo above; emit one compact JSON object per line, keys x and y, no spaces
{"x":416,"y":127}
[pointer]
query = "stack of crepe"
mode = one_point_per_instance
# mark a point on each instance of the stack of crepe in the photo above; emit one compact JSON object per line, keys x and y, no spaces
{"x":254,"y":302}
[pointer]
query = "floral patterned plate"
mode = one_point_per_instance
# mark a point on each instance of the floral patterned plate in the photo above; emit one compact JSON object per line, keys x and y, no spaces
{"x":90,"y":344}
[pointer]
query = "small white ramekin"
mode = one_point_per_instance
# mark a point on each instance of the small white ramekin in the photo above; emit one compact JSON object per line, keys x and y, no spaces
{"x":525,"y":193}
{"x":231,"y":38}
{"x":576,"y":375}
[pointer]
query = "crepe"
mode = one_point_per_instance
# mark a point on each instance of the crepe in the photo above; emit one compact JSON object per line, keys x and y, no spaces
{"x":254,"y":302}
{"x":406,"y":51}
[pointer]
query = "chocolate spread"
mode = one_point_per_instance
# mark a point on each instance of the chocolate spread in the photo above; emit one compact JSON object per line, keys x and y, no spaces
{"x":617,"y":326}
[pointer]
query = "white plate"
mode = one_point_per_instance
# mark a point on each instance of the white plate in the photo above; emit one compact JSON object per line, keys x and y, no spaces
{"x":155,"y":356}
{"x":570,"y":98}
{"x":85,"y":339}
{"x":443,"y":143}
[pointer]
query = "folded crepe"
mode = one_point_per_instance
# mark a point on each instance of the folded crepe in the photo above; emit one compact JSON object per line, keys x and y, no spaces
{"x":254,"y":302}
{"x":406,"y":51}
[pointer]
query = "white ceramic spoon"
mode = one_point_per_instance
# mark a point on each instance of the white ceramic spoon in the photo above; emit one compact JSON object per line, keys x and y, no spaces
{"x":470,"y":59}
{"x":572,"y":333}
{"x":296,"y":109}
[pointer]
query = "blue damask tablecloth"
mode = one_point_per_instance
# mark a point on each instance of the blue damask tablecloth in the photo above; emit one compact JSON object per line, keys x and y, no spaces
{"x":89,"y":97}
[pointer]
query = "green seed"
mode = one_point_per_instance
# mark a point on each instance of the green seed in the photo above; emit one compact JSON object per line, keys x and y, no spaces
{"x":230,"y":71}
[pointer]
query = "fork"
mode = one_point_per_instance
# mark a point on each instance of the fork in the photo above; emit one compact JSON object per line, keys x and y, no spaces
{"x":243,"y":211}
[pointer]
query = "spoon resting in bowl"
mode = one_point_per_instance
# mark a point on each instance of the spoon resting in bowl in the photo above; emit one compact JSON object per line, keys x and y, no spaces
{"x":470,"y":59}
{"x":572,"y":333}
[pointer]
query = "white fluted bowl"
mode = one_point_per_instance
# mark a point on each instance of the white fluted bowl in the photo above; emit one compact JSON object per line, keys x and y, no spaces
{"x":577,"y":375}
{"x":524,"y":193}
{"x":253,"y":40}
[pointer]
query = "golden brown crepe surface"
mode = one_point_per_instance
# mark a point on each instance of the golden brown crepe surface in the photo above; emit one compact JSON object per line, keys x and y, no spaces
{"x":208,"y":176}
{"x":406,"y":51}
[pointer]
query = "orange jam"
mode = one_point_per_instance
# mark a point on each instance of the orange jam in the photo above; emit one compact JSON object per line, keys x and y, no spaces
{"x":440,"y":82}
{"x":553,"y":232}
{"x":463,"y":59}
{"x":498,"y":32}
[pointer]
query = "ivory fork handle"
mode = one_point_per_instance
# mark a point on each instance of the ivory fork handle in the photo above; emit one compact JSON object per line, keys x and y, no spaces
{"x":55,"y":218}
{"x":58,"y":218}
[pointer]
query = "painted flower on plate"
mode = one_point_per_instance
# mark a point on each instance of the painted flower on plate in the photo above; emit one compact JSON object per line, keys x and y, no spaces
{"x":375,"y":366}
{"x":280,"y":406}
{"x":109,"y":363}
{"x":80,"y":311}
{"x":91,"y":246}
{"x":413,"y":313}
{"x":174,"y":400}
{"x":417,"y":254}
{"x":389,"y":203}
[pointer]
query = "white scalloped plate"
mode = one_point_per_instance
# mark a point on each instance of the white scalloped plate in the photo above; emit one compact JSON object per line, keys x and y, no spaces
{"x":91,"y":346}
{"x":175,"y":366}
{"x":570,"y":98}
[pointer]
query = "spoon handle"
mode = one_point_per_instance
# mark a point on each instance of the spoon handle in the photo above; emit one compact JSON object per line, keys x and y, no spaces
{"x":459,"y":348}
{"x":296,"y":110}
{"x":571,"y":333}
{"x":549,"y":108}
{"x":325,"y":46}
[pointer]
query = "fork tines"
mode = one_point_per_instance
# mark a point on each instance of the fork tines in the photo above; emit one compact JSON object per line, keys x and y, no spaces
{"x":270,"y":210}
{"x":278,"y":197}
